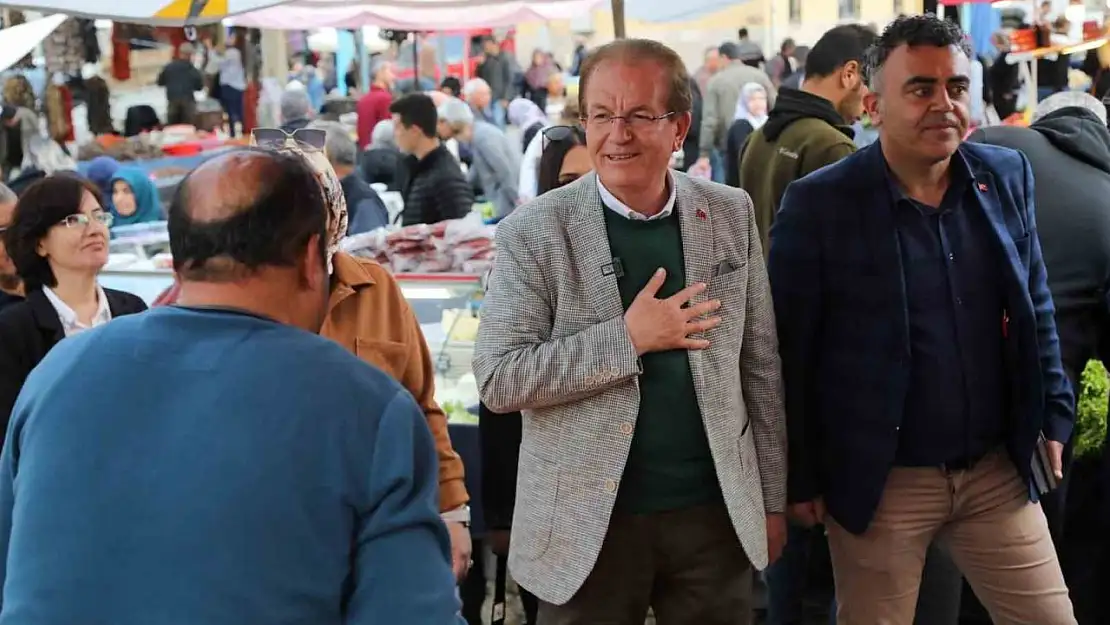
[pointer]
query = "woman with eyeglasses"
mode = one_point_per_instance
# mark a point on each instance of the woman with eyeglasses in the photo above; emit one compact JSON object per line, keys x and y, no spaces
{"x":564,"y":160}
{"x":58,"y":240}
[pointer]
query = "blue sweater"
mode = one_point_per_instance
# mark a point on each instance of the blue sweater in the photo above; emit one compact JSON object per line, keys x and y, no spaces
{"x":202,"y":467}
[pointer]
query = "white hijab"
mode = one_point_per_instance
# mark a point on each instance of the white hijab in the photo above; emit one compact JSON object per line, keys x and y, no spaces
{"x":742,"y":111}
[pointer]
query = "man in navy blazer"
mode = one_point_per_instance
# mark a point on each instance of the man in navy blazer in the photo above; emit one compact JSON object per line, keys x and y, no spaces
{"x":919,"y":350}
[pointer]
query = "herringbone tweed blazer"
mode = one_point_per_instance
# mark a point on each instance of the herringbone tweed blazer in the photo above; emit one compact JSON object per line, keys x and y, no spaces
{"x":554,"y":345}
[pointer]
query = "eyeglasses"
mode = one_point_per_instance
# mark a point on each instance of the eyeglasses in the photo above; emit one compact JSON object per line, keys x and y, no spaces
{"x":556,"y":134}
{"x":82,"y":220}
{"x":635,"y":121}
{"x":276,"y":138}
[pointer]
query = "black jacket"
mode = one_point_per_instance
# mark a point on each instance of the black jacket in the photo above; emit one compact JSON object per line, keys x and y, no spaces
{"x":29,"y":329}
{"x":181,"y":79}
{"x":436,"y":189}
{"x":1069,"y":151}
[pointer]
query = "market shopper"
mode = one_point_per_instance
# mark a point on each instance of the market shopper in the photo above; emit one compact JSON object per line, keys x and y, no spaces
{"x":920,"y":355}
{"x":11,"y":287}
{"x":58,"y":240}
{"x":309,"y":496}
{"x":435,"y":187}
{"x":494,"y":160}
{"x":652,"y":464}
{"x":135,"y":198}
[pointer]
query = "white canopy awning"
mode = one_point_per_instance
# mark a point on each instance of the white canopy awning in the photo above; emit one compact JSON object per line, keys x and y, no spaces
{"x":18,"y":41}
{"x":424,"y":15}
{"x":156,"y":12}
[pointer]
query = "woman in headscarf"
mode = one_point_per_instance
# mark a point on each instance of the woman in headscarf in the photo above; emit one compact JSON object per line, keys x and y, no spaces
{"x":368,"y":315}
{"x":536,"y":77}
{"x":381,"y":162}
{"x":750,"y":115}
{"x":528,"y":117}
{"x":100,"y":172}
{"x":134,"y":198}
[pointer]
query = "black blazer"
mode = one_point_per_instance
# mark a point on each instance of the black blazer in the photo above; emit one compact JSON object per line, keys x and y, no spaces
{"x":29,"y":329}
{"x":500,"y":435}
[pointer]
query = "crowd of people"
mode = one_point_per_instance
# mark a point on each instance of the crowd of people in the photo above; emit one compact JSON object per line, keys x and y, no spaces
{"x":870,"y":344}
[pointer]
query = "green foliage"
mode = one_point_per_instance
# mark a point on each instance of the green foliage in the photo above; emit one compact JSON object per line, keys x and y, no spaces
{"x":457,"y":413}
{"x":1090,"y":410}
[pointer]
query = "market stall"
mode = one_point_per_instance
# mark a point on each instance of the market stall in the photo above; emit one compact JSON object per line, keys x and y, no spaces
{"x":1025,"y":51}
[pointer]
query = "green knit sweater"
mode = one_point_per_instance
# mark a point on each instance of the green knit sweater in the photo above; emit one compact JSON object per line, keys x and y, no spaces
{"x":670,"y":465}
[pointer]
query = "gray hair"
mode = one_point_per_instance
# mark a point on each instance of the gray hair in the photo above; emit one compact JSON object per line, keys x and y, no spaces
{"x":474,"y":85}
{"x":376,"y":68}
{"x":339,"y":146}
{"x":456,"y":112}
{"x":382,"y":135}
{"x":295,"y":105}
{"x":7,"y":196}
{"x":1067,"y":99}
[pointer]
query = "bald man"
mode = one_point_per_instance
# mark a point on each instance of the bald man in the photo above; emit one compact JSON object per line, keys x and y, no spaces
{"x":255,"y":472}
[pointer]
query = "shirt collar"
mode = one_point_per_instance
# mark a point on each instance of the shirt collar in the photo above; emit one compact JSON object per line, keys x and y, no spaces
{"x":959,"y":170}
{"x":611,"y":202}
{"x":70,"y":323}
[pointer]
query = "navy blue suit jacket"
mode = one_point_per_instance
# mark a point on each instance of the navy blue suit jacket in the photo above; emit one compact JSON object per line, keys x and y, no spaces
{"x":840,"y":302}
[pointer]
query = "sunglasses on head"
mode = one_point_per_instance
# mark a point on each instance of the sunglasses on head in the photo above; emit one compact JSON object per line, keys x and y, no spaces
{"x":555,"y":134}
{"x":276,"y":138}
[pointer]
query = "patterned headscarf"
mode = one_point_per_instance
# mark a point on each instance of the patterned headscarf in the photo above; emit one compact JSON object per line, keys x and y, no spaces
{"x":333,"y":195}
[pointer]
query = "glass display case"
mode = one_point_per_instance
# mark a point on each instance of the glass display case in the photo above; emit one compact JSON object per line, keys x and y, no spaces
{"x":446,"y":306}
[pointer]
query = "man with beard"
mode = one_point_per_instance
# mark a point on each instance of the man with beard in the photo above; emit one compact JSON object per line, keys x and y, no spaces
{"x":920,"y":357}
{"x":11,"y":288}
{"x":808,"y":128}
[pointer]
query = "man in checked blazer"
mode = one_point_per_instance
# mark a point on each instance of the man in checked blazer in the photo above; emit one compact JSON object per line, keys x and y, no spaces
{"x":629,"y":317}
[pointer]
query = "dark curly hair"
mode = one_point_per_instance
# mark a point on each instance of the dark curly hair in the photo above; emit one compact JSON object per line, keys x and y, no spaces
{"x":41,"y":207}
{"x":911,"y":30}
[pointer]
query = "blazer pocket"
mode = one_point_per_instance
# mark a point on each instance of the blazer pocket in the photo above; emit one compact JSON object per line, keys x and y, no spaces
{"x":732,"y":291}
{"x":534,"y":513}
{"x":389,"y":356}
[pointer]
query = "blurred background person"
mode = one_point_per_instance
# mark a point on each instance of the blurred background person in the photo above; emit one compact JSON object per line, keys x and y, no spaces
{"x":366,"y":209}
{"x":11,"y":287}
{"x":530,"y":163}
{"x":233,"y":83}
{"x":58,"y":240}
{"x":536,"y":78}
{"x":100,"y":172}
{"x":296,"y":110}
{"x":496,"y":70}
{"x":373,"y":107}
{"x":496,"y":163}
{"x":135,"y":198}
{"x":435,"y":186}
{"x":529,"y":118}
{"x":380,"y":163}
{"x":181,"y":80}
{"x":751,"y":114}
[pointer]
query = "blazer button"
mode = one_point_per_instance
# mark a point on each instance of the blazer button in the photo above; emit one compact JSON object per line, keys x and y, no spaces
{"x":626,"y":428}
{"x":610,"y":486}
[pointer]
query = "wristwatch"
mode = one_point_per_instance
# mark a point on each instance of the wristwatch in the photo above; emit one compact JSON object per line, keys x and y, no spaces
{"x":458,"y":515}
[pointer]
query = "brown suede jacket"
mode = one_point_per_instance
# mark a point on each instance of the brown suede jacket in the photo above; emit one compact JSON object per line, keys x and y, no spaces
{"x":368,"y":315}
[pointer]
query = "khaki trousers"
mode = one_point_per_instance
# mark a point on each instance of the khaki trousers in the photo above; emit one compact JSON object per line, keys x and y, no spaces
{"x":982,"y":516}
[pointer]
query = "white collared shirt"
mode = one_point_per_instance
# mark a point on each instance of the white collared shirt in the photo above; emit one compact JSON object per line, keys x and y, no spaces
{"x":612,"y":203}
{"x":70,"y":323}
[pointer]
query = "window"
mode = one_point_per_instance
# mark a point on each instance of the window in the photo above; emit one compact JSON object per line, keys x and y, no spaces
{"x":848,"y":9}
{"x":795,"y":11}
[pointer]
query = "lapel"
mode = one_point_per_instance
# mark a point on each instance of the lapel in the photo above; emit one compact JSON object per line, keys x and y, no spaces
{"x":46,"y":318}
{"x":695,"y":219}
{"x":590,"y":253}
{"x":876,"y":217}
{"x":986,"y":192}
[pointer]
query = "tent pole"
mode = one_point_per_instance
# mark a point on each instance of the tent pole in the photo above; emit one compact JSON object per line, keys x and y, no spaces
{"x":618,"y":18}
